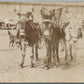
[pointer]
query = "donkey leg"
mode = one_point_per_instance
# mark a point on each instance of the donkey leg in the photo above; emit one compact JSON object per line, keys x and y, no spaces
{"x":13,"y":44}
{"x":48,"y":57}
{"x":32,"y":49}
{"x":67,"y":53}
{"x":54,"y":58}
{"x":10,"y":44}
{"x":23,"y":59}
{"x":57,"y":52}
{"x":23,"y":46}
{"x":32,"y":61}
{"x":36,"y":51}
{"x":71,"y":52}
{"x":32,"y":57}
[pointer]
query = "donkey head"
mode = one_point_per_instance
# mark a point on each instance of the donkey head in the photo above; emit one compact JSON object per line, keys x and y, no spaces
{"x":73,"y":32}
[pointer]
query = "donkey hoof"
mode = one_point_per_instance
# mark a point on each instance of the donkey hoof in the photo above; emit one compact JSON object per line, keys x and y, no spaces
{"x":46,"y":67}
{"x":36,"y":59}
{"x":32,"y":65}
{"x":21,"y":65}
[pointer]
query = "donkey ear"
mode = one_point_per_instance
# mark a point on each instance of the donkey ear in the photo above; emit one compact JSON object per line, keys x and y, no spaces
{"x":65,"y":25}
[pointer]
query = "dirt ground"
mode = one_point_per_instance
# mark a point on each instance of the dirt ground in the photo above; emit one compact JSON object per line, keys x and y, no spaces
{"x":10,"y":71}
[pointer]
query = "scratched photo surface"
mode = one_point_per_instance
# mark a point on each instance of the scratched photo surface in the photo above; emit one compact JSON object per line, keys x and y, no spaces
{"x":41,"y":42}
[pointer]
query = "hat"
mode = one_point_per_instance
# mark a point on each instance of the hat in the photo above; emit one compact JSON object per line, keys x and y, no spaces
{"x":46,"y":21}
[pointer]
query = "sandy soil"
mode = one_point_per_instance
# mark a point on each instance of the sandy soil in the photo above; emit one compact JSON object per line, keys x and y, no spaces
{"x":10,"y":71}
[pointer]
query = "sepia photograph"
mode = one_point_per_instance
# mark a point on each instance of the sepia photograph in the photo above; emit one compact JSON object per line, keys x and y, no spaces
{"x":41,"y":41}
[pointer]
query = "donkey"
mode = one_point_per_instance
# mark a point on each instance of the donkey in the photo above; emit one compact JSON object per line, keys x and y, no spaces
{"x":47,"y":35}
{"x":57,"y":35}
{"x":32,"y":37}
{"x":52,"y":35}
{"x":71,"y":42}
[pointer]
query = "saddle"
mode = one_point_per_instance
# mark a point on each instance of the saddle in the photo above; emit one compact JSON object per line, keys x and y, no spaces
{"x":31,"y":33}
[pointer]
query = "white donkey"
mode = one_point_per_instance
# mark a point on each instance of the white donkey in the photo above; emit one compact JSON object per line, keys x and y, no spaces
{"x":72,"y":36}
